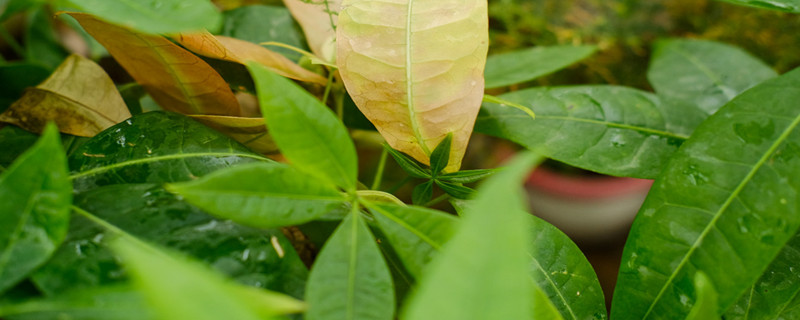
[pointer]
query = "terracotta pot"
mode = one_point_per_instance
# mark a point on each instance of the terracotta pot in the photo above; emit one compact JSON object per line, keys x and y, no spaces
{"x":588,"y":208}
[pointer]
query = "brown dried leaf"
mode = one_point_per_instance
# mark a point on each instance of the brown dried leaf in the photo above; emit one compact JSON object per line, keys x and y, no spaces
{"x":175,"y":78}
{"x":240,"y":51}
{"x":251,"y":132}
{"x":79,"y":96}
{"x":318,"y":20}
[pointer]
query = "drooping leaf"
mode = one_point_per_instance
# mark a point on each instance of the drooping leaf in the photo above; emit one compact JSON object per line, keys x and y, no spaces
{"x":308,"y":133}
{"x":349,"y":279}
{"x":422,"y":193}
{"x":262,"y":195}
{"x":41,"y":43}
{"x":699,"y":73}
{"x":35,"y":196}
{"x":467,"y":176}
{"x":525,"y":65}
{"x":79,"y":97}
{"x":250,"y":132}
{"x":16,"y":77}
{"x":725,"y":205}
{"x":792,"y":6}
{"x":179,"y":288}
{"x":260,"y":23}
{"x":414,"y":71}
{"x":318,"y":20}
{"x":241,"y":51}
{"x":441,"y":155}
{"x":175,"y":78}
{"x":155,"y":17}
{"x":409,"y":165}
{"x":564,"y":275}
{"x":705,"y":307}
{"x":417,"y":234}
{"x":607,"y":129}
{"x":776,"y":295}
{"x":104,"y":303}
{"x":154,"y":147}
{"x":259,"y":258}
{"x":482,"y":272}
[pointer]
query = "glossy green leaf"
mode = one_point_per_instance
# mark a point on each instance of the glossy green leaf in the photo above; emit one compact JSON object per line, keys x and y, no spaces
{"x":792,"y":6}
{"x":543,"y":308}
{"x":35,"y":196}
{"x":700,"y":73}
{"x":482,"y":272}
{"x":15,"y":78}
{"x":441,"y":155}
{"x":416,"y":233}
{"x":705,"y":307}
{"x":154,"y":147}
{"x":260,"y":23}
{"x":104,"y":303}
{"x":467,"y":176}
{"x":409,"y":165}
{"x":180,"y":288}
{"x":252,"y":257}
{"x":308,"y":133}
{"x":422,"y":193}
{"x":162,"y":16}
{"x":776,"y":295}
{"x":528,"y":64}
{"x":350,"y":280}
{"x":725,"y":205}
{"x":564,"y":275}
{"x":455,"y":190}
{"x":263,"y":195}
{"x":613,"y":130}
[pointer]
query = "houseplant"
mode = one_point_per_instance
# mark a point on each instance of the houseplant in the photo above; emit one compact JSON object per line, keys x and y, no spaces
{"x":715,"y":236}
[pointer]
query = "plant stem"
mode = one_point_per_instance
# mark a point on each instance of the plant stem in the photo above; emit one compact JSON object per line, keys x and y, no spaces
{"x":328,"y":88}
{"x":379,"y":172}
{"x":339,"y":100}
{"x":437,"y":200}
{"x":12,"y":42}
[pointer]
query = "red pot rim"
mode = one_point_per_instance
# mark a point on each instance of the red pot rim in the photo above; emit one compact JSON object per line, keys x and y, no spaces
{"x":584,"y":187}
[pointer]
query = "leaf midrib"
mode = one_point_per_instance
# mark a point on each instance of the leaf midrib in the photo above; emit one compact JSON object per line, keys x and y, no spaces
{"x":552,"y":283}
{"x":4,"y":259}
{"x":160,"y":158}
{"x":735,"y":194}
{"x":412,"y":113}
{"x":408,"y":227}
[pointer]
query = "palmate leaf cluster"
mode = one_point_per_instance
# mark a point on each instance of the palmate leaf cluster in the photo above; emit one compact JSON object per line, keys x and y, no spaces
{"x":171,"y":197}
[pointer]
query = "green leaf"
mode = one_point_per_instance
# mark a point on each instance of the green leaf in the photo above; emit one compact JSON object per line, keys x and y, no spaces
{"x":482,"y":272}
{"x":14,"y":141}
{"x":350,"y":280}
{"x":262,"y":195}
{"x":155,"y":17}
{"x":543,"y":308}
{"x":524,"y":65}
{"x":441,"y":155}
{"x":416,"y":234}
{"x":409,"y":165}
{"x":705,"y":307}
{"x":147,"y":211}
{"x":35,"y":196}
{"x":308,"y":133}
{"x":725,"y":205}
{"x":15,"y":78}
{"x":11,"y":7}
{"x":699,"y":73}
{"x":792,"y":6}
{"x":154,"y":147}
{"x":467,"y":176}
{"x":260,"y":23}
{"x":42,"y":45}
{"x":607,"y":129}
{"x":776,"y":295}
{"x":564,"y":275}
{"x":422,"y":193}
{"x":179,"y":288}
{"x":103,"y":303}
{"x":455,"y":190}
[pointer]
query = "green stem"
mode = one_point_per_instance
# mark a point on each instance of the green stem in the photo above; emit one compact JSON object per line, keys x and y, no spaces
{"x":379,"y":172}
{"x":437,"y":200}
{"x":339,"y":100}
{"x":328,"y":86}
{"x":12,"y":42}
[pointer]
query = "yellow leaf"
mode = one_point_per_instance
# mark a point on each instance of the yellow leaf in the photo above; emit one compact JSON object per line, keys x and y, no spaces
{"x":79,"y":96}
{"x":415,"y":69}
{"x":251,"y":132}
{"x":240,"y":51}
{"x":175,"y":78}
{"x":318,"y":20}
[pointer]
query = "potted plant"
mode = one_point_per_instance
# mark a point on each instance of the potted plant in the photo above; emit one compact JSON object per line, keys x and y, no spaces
{"x":185,"y":213}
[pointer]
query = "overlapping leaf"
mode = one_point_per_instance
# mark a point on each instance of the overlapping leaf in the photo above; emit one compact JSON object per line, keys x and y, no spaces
{"x":154,"y":17}
{"x":318,"y":20}
{"x":779,"y":5}
{"x":79,"y":96}
{"x":260,"y":23}
{"x":725,"y":205}
{"x":104,"y":303}
{"x":250,"y":132}
{"x":525,"y":65}
{"x":175,"y":78}
{"x":415,"y":69}
{"x":241,"y":51}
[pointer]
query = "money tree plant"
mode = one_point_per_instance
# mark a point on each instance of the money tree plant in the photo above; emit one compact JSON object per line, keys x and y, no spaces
{"x":172,"y":161}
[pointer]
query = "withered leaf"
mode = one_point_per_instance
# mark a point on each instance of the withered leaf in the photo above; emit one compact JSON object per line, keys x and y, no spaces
{"x":318,"y":20}
{"x":79,"y":96}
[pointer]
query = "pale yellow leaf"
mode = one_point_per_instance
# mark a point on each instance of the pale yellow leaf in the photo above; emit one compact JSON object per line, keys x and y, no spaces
{"x":415,"y":69}
{"x":240,"y":51}
{"x":251,"y":132}
{"x":318,"y":18}
{"x":175,"y":78}
{"x":79,"y":97}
